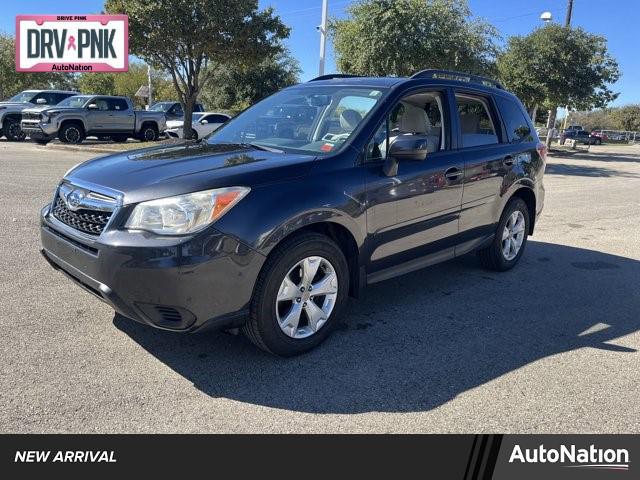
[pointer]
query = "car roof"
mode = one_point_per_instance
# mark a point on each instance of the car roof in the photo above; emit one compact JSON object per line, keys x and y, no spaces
{"x":213,"y":113}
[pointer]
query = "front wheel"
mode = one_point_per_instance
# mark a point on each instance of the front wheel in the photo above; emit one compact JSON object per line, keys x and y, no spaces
{"x":13,"y":131}
{"x":71,"y":133}
{"x":298,"y":295}
{"x":510,"y":240}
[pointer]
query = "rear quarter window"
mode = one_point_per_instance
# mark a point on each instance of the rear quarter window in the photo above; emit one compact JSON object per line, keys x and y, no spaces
{"x":515,"y":121}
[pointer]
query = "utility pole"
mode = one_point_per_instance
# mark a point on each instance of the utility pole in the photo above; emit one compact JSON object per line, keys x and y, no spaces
{"x":567,"y":20}
{"x":551,"y":122}
{"x":323,"y":35}
{"x":150,"y":98}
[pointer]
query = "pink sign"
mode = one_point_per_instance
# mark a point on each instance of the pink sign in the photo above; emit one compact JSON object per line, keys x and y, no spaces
{"x":72,"y":43}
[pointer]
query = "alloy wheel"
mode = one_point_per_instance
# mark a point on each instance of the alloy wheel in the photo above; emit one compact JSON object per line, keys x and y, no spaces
{"x":513,"y":235}
{"x":306,"y":297}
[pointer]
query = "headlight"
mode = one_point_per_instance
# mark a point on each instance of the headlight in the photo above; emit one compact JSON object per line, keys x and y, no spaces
{"x":184,"y":213}
{"x":51,"y":114}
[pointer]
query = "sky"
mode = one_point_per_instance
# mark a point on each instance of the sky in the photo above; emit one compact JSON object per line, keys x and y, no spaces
{"x":617,"y":20}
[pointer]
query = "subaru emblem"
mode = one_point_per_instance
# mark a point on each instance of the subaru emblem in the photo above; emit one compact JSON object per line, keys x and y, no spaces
{"x":74,"y":199}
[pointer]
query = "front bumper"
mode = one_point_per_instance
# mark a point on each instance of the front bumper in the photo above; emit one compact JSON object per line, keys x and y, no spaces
{"x":180,"y":284}
{"x":39,"y":130}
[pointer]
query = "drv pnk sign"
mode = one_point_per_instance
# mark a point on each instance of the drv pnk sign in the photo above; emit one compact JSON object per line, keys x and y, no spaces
{"x":72,"y":43}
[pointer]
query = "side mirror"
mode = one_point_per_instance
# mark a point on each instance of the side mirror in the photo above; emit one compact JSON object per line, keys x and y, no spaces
{"x":92,"y":106}
{"x":204,"y":122}
{"x":41,"y":101}
{"x":409,"y":147}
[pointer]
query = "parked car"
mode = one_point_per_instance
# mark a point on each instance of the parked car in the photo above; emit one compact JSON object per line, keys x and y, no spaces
{"x":11,"y":109}
{"x":581,"y":136}
{"x":574,"y":127}
{"x":272,"y":233}
{"x":75,"y":118}
{"x":173,"y":110}
{"x":202,"y":123}
{"x":601,"y":135}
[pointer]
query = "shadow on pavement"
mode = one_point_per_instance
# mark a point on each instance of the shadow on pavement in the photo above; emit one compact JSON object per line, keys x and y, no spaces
{"x":416,"y":342}
{"x":586,"y":171}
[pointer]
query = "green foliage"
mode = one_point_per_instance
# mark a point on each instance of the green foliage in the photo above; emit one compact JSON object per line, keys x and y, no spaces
{"x":189,"y":38}
{"x":12,"y":82}
{"x":556,"y":65}
{"x":240,"y":86}
{"x":627,"y":117}
{"x":128,"y":83}
{"x":401,"y":37}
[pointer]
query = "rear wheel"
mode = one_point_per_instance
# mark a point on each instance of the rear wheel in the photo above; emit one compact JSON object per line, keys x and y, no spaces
{"x":12,"y":130}
{"x":149,"y":133}
{"x":510,"y":240}
{"x":298,"y":295}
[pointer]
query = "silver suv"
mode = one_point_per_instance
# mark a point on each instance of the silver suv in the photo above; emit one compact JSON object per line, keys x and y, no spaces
{"x":11,"y":110}
{"x":75,"y":118}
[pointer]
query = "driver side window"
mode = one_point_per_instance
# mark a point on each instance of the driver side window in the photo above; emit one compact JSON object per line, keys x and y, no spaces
{"x":416,"y":115}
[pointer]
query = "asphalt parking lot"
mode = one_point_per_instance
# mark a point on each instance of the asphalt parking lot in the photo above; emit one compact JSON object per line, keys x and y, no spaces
{"x":551,"y":346}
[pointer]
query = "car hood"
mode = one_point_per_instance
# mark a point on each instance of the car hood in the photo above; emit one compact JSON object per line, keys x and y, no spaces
{"x":15,"y":104}
{"x":186,"y":167}
{"x":46,"y":108}
{"x":175,"y":123}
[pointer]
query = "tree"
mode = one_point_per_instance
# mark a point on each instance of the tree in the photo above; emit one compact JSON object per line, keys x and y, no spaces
{"x":627,"y":117}
{"x":556,"y":65}
{"x":128,"y":83}
{"x":12,"y":82}
{"x":184,"y":37}
{"x":401,"y":37}
{"x":240,"y":86}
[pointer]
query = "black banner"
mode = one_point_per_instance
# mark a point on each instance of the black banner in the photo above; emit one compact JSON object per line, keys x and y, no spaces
{"x":466,"y":457}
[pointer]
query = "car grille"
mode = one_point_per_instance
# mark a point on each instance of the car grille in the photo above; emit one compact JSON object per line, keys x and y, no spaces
{"x":88,"y":221}
{"x":30,"y":116}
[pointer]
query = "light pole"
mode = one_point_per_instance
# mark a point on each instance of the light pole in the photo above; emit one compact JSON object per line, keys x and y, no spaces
{"x":323,"y":35}
{"x":150,"y":97}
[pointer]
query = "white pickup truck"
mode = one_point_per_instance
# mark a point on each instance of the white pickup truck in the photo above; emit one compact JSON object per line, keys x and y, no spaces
{"x":102,"y":116}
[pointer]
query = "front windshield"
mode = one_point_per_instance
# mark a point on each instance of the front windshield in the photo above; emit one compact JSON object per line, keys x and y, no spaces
{"x":308,"y":119}
{"x":161,"y":107}
{"x":23,"y":97}
{"x":77,"y":101}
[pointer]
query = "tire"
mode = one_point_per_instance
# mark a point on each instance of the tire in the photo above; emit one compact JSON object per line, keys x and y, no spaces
{"x":149,"y":133}
{"x":598,"y":141}
{"x":493,"y":257}
{"x":263,"y":327}
{"x":11,"y":129}
{"x":71,"y":133}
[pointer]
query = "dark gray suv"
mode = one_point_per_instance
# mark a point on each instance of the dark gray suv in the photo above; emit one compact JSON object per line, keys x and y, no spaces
{"x":271,"y":222}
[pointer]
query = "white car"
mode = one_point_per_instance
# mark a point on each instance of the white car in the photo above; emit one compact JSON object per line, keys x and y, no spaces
{"x":203,"y":123}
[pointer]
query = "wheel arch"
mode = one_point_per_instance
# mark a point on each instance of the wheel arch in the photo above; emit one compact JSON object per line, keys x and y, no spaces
{"x":529,"y":197}
{"x":345,"y":240}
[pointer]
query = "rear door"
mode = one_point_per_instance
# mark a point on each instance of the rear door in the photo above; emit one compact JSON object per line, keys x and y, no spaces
{"x":486,"y":163}
{"x":122,"y":118}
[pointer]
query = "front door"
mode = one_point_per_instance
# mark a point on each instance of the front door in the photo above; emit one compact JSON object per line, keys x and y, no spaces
{"x":412,"y":216}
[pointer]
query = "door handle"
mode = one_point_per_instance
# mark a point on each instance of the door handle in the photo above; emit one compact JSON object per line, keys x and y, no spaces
{"x":508,"y":160}
{"x":453,"y":173}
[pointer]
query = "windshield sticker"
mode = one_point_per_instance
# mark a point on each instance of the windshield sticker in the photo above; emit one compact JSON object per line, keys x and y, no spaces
{"x":327,"y":147}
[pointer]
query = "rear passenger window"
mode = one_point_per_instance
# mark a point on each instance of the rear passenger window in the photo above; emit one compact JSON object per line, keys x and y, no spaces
{"x":118,"y":104}
{"x":514,"y":120}
{"x":476,"y":125}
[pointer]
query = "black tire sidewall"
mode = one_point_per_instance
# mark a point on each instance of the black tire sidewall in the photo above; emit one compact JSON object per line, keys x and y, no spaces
{"x":7,"y":127}
{"x":265,"y":305}
{"x":512,"y":206}
{"x":144,"y":134}
{"x":63,"y":134}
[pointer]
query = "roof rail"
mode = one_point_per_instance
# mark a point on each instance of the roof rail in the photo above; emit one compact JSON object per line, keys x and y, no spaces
{"x":458,"y":77}
{"x":333,"y":75}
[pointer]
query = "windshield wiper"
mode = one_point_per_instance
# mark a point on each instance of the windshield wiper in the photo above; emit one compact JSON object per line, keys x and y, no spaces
{"x":264,"y":148}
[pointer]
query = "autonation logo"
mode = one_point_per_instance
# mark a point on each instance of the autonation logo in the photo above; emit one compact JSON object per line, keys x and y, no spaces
{"x":573,"y":457}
